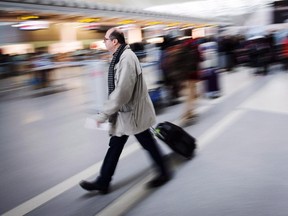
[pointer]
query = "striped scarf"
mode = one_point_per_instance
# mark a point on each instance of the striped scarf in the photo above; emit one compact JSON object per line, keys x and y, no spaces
{"x":115,"y":60}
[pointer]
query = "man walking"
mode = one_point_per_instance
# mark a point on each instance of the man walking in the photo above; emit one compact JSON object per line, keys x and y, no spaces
{"x":130,"y":112}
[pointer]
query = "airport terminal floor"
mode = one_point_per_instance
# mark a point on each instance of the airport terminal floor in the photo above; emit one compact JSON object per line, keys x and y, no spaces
{"x":239,"y":168}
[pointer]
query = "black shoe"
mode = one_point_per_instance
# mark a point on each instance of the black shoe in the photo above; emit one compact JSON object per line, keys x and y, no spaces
{"x":158,"y":181}
{"x":92,"y":186}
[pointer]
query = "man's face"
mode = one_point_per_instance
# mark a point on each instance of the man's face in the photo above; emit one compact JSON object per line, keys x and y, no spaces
{"x":110,"y":44}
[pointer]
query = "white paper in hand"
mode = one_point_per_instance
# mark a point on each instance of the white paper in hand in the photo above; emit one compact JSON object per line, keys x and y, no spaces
{"x":91,"y":123}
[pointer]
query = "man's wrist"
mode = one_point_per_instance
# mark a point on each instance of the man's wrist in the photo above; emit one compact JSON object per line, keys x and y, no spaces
{"x":101,"y":117}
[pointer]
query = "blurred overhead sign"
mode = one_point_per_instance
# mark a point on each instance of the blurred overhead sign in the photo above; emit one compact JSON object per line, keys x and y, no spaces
{"x":32,"y":25}
{"x":89,"y":20}
{"x":28,"y":17}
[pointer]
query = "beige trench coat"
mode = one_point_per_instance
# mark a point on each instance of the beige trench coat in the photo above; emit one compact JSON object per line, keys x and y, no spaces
{"x":130,"y":99}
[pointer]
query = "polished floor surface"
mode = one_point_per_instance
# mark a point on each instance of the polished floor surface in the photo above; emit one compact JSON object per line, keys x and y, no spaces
{"x":239,"y":168}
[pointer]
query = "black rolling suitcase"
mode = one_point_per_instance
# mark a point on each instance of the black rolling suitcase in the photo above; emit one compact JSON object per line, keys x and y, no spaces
{"x":176,"y":138}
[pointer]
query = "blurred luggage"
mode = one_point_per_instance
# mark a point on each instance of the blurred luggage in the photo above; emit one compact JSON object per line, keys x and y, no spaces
{"x":156,"y":96}
{"x":176,"y":138}
{"x":211,"y":82}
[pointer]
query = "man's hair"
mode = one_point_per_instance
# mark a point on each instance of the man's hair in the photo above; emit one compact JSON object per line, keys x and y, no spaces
{"x":117,"y":34}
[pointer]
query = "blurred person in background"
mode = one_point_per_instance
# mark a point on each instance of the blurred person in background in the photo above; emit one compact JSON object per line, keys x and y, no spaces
{"x":139,"y":49}
{"x":272,"y":44}
{"x":260,"y":54}
{"x":4,"y":65}
{"x":171,"y":68}
{"x":42,"y":67}
{"x":285,"y":53}
{"x":190,"y":59}
{"x":228,"y":47}
{"x":209,"y":67}
{"x":129,"y":110}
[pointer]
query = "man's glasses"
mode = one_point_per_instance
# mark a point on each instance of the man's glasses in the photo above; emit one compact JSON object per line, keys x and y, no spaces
{"x":105,"y":39}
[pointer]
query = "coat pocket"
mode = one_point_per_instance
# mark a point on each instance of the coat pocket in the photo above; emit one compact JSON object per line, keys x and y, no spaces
{"x":127,"y":121}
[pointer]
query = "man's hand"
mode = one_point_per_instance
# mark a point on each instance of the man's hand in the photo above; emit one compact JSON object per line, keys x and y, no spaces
{"x":100,"y":118}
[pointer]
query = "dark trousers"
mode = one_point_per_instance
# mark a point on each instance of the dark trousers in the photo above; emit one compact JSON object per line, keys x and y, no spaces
{"x":116,"y":145}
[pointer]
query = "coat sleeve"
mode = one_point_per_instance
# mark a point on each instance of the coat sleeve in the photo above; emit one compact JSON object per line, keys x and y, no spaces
{"x":124,"y":87}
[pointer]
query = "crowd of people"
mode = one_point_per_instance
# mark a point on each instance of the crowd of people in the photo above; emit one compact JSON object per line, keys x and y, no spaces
{"x":183,"y":63}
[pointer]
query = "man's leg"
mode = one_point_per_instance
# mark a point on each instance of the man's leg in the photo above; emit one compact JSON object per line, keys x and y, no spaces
{"x":149,"y":143}
{"x":189,"y":106}
{"x":191,"y":97}
{"x":108,"y":166}
{"x":112,"y":157}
